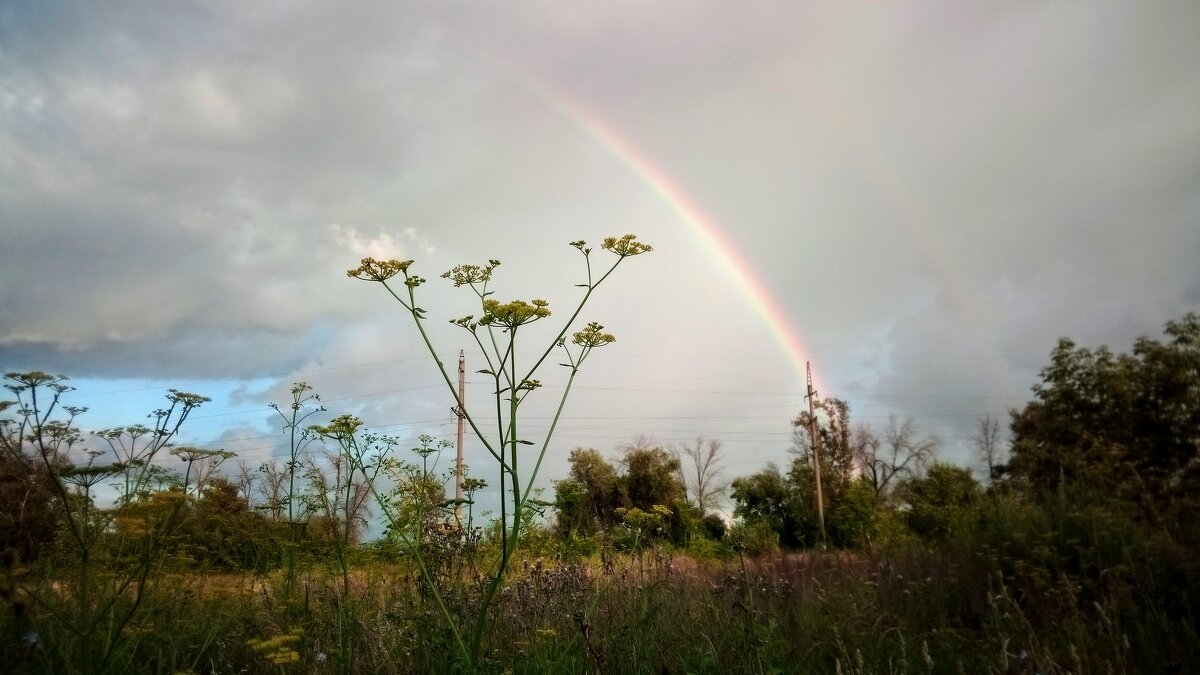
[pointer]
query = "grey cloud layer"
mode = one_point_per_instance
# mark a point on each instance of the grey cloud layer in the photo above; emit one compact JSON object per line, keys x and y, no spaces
{"x":181,"y":189}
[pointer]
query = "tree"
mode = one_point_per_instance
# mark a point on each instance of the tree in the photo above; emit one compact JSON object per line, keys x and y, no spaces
{"x":337,"y":497}
{"x":272,"y":487}
{"x":770,"y":499}
{"x":700,"y":473}
{"x":835,"y":440}
{"x":247,"y":481}
{"x":223,"y":532}
{"x":1127,"y":423}
{"x":587,"y":500}
{"x":902,"y":453}
{"x":651,"y":477}
{"x":988,"y":449}
{"x":202,"y":462}
{"x":936,"y":502}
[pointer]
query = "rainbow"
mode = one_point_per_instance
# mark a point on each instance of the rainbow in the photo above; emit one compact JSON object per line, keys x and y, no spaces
{"x":719,"y":245}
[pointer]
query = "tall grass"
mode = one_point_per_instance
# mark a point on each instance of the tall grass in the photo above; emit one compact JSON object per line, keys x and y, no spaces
{"x":1036,"y":604}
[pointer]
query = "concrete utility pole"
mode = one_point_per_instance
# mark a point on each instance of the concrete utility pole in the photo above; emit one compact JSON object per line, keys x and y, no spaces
{"x":813,"y":439}
{"x":462,"y":415}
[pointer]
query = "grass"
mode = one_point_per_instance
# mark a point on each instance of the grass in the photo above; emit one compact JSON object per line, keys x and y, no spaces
{"x":916,"y":611}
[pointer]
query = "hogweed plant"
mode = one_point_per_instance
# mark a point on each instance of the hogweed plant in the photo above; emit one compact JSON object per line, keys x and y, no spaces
{"x":363,"y":458}
{"x":112,"y":551}
{"x":495,"y":333}
{"x":305,"y":403}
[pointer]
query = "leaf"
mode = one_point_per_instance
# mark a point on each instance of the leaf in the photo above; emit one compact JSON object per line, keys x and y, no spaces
{"x":523,"y":442}
{"x":485,"y":371}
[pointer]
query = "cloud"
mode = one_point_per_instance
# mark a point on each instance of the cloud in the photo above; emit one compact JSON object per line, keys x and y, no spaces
{"x":933,"y":194}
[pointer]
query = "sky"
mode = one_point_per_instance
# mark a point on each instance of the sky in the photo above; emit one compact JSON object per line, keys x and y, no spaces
{"x":917,"y":198}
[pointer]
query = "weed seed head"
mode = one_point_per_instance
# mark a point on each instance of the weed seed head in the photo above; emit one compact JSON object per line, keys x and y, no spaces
{"x":626,"y":246}
{"x":513,"y":314}
{"x":469,"y":275}
{"x":593,"y":336}
{"x":378,"y":270}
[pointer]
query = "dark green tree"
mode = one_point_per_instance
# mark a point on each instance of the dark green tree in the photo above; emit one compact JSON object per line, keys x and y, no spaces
{"x":588,"y":499}
{"x":1125,"y":423}
{"x":769,"y":498}
{"x":651,"y":477}
{"x":939,"y":501}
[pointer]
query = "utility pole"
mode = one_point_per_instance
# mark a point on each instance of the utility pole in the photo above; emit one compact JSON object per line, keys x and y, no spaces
{"x":813,"y":439}
{"x":462,"y":415}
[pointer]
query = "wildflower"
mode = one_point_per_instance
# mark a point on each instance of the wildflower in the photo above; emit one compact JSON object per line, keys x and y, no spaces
{"x":469,"y":275}
{"x":340,"y":427}
{"x":378,"y":270}
{"x":593,"y":336}
{"x":515,"y":313}
{"x":626,"y":246}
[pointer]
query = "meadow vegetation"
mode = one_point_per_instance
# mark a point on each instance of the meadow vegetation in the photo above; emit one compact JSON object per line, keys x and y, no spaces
{"x":1075,"y":554}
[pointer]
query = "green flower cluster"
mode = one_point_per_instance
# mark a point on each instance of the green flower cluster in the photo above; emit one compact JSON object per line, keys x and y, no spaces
{"x":467,"y":275}
{"x":379,"y":270}
{"x":342,"y":426}
{"x":593,"y":336}
{"x":513,"y":314}
{"x":625,"y":246}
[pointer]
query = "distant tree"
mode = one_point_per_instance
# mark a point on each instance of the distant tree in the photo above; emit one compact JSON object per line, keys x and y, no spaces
{"x":272,"y":487}
{"x":224,"y":533}
{"x":856,"y":515}
{"x":587,"y":500}
{"x":246,"y":478}
{"x":770,"y":499}
{"x":902,"y":452}
{"x":835,"y":438}
{"x":937,"y":501}
{"x":988,"y":448}
{"x":202,"y":463}
{"x":336,"y":499}
{"x":700,"y":473}
{"x":1128,"y":423}
{"x":651,"y":478}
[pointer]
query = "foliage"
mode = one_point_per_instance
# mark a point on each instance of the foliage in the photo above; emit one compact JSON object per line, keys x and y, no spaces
{"x":768,"y":500}
{"x":1127,"y":422}
{"x":938,"y":501}
{"x":588,"y":499}
{"x":901,"y":453}
{"x":495,"y":333}
{"x":1082,"y":561}
{"x":700,"y":473}
{"x":104,"y":556}
{"x":598,"y":496}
